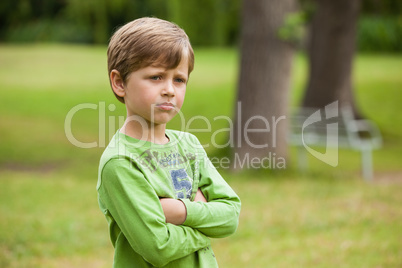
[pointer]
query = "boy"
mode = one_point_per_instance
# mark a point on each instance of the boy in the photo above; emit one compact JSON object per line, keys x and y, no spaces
{"x":161,"y":196}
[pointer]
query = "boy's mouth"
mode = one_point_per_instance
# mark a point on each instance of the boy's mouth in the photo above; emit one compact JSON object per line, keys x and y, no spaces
{"x":167,"y":106}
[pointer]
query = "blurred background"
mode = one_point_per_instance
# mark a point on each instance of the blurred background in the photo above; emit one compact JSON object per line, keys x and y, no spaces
{"x":53,"y":59}
{"x":209,"y":23}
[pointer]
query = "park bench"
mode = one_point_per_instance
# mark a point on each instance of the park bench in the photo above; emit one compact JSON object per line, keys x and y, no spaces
{"x":333,"y":128}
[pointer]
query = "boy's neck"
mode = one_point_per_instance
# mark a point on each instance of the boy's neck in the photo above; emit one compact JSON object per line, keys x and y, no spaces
{"x":154,"y":133}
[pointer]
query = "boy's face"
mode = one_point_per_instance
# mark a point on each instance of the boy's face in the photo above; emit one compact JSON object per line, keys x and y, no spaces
{"x":156,"y":94}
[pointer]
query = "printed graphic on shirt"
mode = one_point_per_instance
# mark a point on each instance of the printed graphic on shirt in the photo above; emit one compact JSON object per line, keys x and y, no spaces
{"x":182,"y":183}
{"x":153,"y":159}
{"x":207,"y":250}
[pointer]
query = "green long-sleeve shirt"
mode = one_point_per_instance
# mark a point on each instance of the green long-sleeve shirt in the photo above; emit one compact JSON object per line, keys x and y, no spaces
{"x":134,"y":174}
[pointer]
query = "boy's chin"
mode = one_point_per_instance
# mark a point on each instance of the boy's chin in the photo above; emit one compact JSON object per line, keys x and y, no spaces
{"x":162,"y":121}
{"x":164,"y":118}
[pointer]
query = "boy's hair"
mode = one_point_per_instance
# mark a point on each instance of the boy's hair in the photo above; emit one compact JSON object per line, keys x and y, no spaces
{"x":148,"y":41}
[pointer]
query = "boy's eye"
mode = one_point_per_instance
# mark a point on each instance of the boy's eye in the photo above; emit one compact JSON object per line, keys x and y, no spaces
{"x":179,"y":80}
{"x":156,"y":77}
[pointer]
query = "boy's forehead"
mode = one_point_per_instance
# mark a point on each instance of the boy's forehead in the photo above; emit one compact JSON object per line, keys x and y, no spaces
{"x":169,"y":63}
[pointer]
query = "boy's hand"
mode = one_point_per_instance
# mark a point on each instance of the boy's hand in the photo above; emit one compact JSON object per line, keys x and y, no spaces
{"x":200,"y":197}
{"x":174,"y":210}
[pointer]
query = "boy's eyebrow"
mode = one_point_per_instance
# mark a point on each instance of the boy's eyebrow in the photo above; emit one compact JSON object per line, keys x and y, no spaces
{"x":182,"y":74}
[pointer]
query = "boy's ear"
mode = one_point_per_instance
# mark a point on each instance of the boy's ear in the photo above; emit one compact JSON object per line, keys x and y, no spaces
{"x":117,"y":83}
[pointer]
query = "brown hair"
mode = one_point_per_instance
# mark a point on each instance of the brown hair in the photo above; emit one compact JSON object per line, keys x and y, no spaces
{"x":148,"y":41}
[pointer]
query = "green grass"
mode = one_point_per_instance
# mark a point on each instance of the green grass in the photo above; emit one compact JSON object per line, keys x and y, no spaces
{"x":326,"y":217}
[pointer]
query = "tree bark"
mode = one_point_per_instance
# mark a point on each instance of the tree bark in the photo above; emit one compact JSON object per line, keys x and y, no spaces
{"x":264,"y":81}
{"x":331,"y":50}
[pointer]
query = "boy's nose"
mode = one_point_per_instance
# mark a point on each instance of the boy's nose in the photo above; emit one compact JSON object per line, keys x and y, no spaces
{"x":168,"y":89}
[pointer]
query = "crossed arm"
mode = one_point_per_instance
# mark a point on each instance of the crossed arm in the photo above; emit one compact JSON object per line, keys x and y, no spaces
{"x":175,"y":211}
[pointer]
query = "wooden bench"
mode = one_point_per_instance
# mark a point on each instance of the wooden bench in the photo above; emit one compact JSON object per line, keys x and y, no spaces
{"x":333,"y":128}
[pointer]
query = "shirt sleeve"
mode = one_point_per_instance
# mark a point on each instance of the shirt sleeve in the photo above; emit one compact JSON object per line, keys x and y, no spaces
{"x":219,"y":217}
{"x":136,"y":208}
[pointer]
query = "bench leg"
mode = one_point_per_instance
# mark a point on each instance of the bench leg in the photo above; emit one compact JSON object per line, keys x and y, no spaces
{"x":303,"y":161}
{"x":367,"y":164}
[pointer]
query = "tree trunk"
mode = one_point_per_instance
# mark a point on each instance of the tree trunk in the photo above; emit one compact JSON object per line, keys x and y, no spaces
{"x":264,"y":80}
{"x":331,"y":49}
